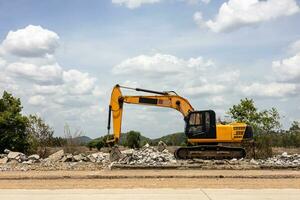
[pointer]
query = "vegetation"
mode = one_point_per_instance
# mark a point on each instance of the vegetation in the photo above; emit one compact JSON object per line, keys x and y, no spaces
{"x":40,"y":135}
{"x":133,"y":139}
{"x":12,"y":124}
{"x":99,"y":143}
{"x":266,"y":126}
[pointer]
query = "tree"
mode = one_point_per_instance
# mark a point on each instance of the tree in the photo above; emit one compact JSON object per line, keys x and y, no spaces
{"x":266,"y":121}
{"x":133,"y":139}
{"x":294,"y":132}
{"x":12,"y":124}
{"x":295,"y":126}
{"x":40,"y":135}
{"x":100,"y":142}
{"x":263,"y":123}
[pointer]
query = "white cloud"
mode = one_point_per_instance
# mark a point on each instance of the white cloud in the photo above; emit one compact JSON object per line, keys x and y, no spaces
{"x":34,"y":75}
{"x":205,"y":89}
{"x":295,"y":47}
{"x":237,"y":13}
{"x":2,"y":62}
{"x":42,"y":74}
{"x":47,"y":89}
{"x":37,"y":100}
{"x":190,"y":77}
{"x":217,"y":100}
{"x":31,"y":41}
{"x":269,"y":89}
{"x":160,"y":65}
{"x":132,"y":4}
{"x":288,"y":69}
{"x":78,"y":82}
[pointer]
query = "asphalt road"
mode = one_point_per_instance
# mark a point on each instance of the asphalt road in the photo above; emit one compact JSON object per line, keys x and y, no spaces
{"x":145,"y":194}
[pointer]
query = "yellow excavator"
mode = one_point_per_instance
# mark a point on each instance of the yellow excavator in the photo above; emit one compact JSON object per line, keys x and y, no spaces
{"x":206,"y":139}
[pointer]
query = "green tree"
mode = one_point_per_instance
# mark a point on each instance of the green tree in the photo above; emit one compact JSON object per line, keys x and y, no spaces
{"x":265,"y":121}
{"x":12,"y":124}
{"x":294,"y":133}
{"x":245,"y":111}
{"x":40,"y":135}
{"x":133,"y":139}
{"x":100,"y":142}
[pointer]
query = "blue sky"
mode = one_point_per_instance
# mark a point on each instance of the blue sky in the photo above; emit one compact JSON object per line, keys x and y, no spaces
{"x":63,"y":57}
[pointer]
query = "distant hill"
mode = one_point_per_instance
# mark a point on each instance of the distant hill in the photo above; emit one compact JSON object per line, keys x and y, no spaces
{"x":174,"y":139}
{"x":83,"y":140}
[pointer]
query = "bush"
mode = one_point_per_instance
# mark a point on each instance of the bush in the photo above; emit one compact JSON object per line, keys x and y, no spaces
{"x":263,"y":146}
{"x":40,"y":135}
{"x":72,"y":143}
{"x":133,"y":139}
{"x":99,"y":143}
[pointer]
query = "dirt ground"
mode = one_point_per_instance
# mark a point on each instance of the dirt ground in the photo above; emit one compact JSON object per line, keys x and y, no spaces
{"x":251,"y":179}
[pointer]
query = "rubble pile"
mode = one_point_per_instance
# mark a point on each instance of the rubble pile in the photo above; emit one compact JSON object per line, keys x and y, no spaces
{"x":283,"y":160}
{"x":59,"y":156}
{"x":18,"y":157}
{"x":147,"y":155}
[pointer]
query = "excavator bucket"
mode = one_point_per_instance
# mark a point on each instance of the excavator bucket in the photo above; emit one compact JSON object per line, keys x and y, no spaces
{"x":115,"y":154}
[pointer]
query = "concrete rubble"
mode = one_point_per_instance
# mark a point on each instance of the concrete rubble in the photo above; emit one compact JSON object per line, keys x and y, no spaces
{"x":280,"y":161}
{"x":147,"y":156}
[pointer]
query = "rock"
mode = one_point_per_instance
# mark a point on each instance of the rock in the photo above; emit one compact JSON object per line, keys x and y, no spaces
{"x":29,"y":162}
{"x":161,"y":146}
{"x":79,"y":157}
{"x":14,"y":155}
{"x":129,"y":151}
{"x":284,"y":154}
{"x":67,"y":158}
{"x":56,"y":156}
{"x":254,"y":162}
{"x":92,"y":158}
{"x":34,"y":157}
{"x":3,"y":160}
{"x":6,"y":151}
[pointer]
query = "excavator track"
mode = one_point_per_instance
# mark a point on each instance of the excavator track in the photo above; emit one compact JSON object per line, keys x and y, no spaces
{"x":209,"y":152}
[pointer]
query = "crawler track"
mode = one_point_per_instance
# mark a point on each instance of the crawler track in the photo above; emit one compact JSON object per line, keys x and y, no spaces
{"x":209,"y":152}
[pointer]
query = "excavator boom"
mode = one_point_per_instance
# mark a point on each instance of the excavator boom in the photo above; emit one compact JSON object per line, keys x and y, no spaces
{"x":164,"y":99}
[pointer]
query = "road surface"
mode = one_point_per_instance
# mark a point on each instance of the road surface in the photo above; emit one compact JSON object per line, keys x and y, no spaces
{"x":145,"y":194}
{"x":128,"y":179}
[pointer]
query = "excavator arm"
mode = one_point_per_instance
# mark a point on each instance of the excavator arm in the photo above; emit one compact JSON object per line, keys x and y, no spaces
{"x":162,"y":99}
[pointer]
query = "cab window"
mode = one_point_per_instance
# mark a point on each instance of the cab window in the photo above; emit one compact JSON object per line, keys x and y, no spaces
{"x":195,"y":119}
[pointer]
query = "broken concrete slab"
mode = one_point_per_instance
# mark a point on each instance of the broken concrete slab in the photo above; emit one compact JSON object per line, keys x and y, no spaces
{"x":161,"y":146}
{"x":15,"y":155}
{"x":34,"y":157}
{"x":56,"y":156}
{"x":3,"y":160}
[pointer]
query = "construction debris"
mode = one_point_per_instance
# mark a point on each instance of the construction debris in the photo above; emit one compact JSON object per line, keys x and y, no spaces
{"x":147,"y":156}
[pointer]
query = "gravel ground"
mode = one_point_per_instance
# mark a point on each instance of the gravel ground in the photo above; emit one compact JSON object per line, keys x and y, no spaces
{"x":151,"y":179}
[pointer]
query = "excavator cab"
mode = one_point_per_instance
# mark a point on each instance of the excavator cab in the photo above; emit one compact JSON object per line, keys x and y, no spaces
{"x":201,"y":124}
